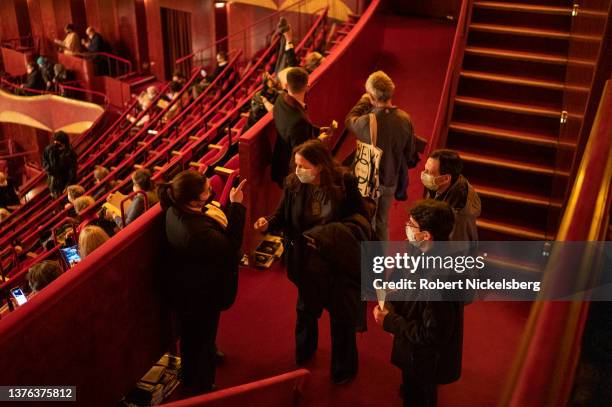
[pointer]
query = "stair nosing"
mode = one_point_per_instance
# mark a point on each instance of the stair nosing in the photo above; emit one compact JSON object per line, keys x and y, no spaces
{"x":507,"y":106}
{"x":519,"y":231}
{"x":531,"y":198}
{"x":516,"y":30}
{"x":520,"y":55}
{"x":518,"y":80}
{"x":528,"y":8}
{"x":508,"y":164}
{"x":509,"y":135}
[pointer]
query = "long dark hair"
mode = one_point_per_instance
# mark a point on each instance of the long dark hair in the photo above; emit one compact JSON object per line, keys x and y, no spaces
{"x":185,"y":187}
{"x":331,"y":175}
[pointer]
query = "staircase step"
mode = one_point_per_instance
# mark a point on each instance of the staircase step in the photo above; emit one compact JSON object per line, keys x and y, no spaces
{"x":521,"y":137}
{"x":521,"y":7}
{"x":523,"y":31}
{"x":518,"y":80}
{"x":517,"y":55}
{"x":510,"y":164}
{"x":511,"y":230}
{"x":507,"y":107}
{"x":515,"y":196}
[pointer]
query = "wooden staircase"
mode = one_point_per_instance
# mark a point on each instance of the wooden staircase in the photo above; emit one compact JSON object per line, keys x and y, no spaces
{"x":507,"y":115}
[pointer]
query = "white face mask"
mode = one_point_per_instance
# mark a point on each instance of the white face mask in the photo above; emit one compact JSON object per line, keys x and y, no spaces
{"x":305,"y":176}
{"x":429,"y":181}
{"x":411,"y":237}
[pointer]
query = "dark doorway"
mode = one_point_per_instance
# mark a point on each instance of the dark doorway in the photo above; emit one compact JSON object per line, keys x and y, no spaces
{"x":176,"y":33}
{"x":79,"y":16}
{"x":23,"y":17}
{"x":221,"y":24}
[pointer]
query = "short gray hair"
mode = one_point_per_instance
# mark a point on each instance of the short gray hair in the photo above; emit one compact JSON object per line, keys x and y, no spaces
{"x":380,"y":86}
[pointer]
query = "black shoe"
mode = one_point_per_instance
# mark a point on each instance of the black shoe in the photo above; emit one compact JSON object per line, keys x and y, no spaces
{"x":219,"y":357}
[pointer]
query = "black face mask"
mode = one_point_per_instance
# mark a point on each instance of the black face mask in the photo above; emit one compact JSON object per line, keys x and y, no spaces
{"x":211,"y":197}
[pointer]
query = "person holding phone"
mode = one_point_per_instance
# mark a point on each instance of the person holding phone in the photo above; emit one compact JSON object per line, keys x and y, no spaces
{"x":42,"y":274}
{"x":204,"y":252}
{"x":317,"y":192}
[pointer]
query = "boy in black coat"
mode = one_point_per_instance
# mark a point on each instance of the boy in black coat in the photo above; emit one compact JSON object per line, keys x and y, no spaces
{"x":427,"y":335}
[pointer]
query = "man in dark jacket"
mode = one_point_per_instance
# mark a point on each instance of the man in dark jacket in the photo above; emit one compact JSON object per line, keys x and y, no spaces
{"x":60,"y":163}
{"x":96,"y":44}
{"x":292,"y":123}
{"x":34,"y":80}
{"x":427,"y":335}
{"x":395,"y":137}
{"x":443,"y":182}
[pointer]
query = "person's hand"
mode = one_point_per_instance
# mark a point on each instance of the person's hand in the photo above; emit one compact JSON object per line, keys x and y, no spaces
{"x":323,"y":136}
{"x":380,"y":314}
{"x":236,"y":195}
{"x":261,"y":225}
{"x":68,"y":206}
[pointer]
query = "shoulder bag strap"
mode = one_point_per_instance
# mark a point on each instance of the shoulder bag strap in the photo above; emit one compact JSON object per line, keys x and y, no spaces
{"x":373,"y":128}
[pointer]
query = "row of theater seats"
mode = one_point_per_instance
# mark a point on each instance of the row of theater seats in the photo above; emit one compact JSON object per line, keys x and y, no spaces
{"x":201,"y":136}
{"x":129,"y":316}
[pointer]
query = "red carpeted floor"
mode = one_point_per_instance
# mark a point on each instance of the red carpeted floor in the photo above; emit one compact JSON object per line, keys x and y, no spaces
{"x":257,"y":333}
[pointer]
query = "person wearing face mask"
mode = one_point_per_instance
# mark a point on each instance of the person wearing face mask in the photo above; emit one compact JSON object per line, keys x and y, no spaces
{"x":141,"y":181}
{"x":443,"y":181}
{"x":427,"y":335}
{"x":317,"y":192}
{"x":292,"y":123}
{"x":204,"y":253}
{"x":394,"y":136}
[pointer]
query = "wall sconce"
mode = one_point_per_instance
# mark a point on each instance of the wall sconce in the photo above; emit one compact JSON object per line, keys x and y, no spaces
{"x":220,"y":4}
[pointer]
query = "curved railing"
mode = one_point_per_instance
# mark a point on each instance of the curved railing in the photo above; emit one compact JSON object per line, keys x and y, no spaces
{"x":543,"y":370}
{"x":117,"y":66}
{"x":28,"y":42}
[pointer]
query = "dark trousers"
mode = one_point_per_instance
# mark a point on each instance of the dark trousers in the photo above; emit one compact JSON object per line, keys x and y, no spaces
{"x":344,"y":358}
{"x":418,"y":393}
{"x":198,"y":350}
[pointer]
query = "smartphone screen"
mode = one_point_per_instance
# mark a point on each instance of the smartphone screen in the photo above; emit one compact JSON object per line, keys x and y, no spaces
{"x":71,"y":255}
{"x":19,"y":296}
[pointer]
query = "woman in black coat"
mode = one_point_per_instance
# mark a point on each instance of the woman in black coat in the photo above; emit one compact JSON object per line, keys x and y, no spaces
{"x":317,"y":192}
{"x":204,"y":246}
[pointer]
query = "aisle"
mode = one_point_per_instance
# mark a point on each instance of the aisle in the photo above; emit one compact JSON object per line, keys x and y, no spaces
{"x":257,"y":333}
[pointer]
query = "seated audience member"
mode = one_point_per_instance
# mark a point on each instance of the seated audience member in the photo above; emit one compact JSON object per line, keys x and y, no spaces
{"x":427,"y":335}
{"x":100,"y":173}
{"x":72,"y":193}
{"x":91,"y":218}
{"x":70,"y":44}
{"x":179,"y":77}
{"x":222,"y":62}
{"x":60,"y":76}
{"x":312,"y":61}
{"x":90,"y":238}
{"x":443,"y":181}
{"x":46,"y":70}
{"x":4,"y":214}
{"x":141,"y":180}
{"x":8,"y":193}
{"x":42,"y":274}
{"x":200,"y":85}
{"x":34,"y":79}
{"x":173,"y":111}
{"x":144,"y":105}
